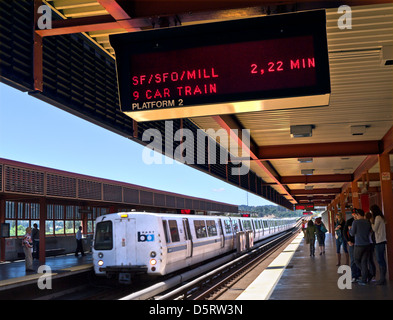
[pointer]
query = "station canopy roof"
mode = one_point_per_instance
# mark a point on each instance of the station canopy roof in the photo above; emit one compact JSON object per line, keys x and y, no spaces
{"x":347,"y":135}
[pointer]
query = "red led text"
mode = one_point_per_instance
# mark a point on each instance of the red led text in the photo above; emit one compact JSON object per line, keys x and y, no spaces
{"x":184,"y":75}
{"x":277,"y":66}
{"x":177,"y":84}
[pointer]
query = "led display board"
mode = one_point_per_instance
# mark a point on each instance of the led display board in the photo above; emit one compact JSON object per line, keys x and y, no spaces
{"x":308,"y":206}
{"x":272,"y":62}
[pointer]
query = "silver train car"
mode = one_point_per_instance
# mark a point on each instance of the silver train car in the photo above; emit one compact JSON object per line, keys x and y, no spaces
{"x":157,"y":244}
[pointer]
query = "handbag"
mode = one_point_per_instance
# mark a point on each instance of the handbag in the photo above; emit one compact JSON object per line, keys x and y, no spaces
{"x":323,"y":228}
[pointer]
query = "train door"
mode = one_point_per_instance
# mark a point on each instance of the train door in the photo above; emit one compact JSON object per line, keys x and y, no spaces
{"x":221,"y":233}
{"x":233,"y":231}
{"x":125,"y":239}
{"x":188,"y":236}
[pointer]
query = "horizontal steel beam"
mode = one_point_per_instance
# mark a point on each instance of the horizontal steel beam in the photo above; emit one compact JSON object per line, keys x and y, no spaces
{"x":316,"y":150}
{"x":316,"y":191}
{"x":76,"y":25}
{"x":324,"y":178}
{"x":315,"y":198}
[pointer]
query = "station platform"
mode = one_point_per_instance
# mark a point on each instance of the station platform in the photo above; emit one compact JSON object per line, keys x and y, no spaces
{"x":294,"y":275}
{"x":13,"y":274}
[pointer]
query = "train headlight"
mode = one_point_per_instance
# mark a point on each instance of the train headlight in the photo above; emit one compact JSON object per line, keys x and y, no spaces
{"x":100,"y":255}
{"x":100,"y":263}
{"x":153,"y":262}
{"x":153,"y":254}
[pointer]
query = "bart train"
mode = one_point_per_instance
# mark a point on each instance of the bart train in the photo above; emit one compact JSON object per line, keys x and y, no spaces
{"x":157,"y":244}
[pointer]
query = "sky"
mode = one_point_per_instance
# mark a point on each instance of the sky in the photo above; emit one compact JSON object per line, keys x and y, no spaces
{"x":38,"y":133}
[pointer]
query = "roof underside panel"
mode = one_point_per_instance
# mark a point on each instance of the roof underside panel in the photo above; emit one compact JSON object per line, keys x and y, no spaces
{"x":80,"y":78}
{"x":16,"y":43}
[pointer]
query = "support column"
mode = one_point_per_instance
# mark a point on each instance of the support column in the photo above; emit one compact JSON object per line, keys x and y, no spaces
{"x":365,"y":197}
{"x":342,"y":206}
{"x":2,"y":220}
{"x":329,"y":210}
{"x":334,"y":212}
{"x":84,"y":212}
{"x":387,"y":205}
{"x":365,"y":200}
{"x":37,"y":52}
{"x":355,"y":195}
{"x":43,"y":213}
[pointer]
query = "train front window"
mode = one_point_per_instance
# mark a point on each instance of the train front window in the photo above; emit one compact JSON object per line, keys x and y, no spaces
{"x":104,"y":236}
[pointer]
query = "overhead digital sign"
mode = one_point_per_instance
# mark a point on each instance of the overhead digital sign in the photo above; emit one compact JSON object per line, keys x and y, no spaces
{"x":273,"y":62}
{"x":305,"y":206}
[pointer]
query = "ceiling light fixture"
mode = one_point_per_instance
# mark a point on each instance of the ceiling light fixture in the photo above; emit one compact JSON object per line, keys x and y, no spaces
{"x":387,"y":56}
{"x":301,"y":131}
{"x":307,"y":172}
{"x":359,"y":130}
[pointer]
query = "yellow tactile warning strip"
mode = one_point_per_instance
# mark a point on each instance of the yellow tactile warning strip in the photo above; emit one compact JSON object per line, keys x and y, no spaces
{"x":19,"y":280}
{"x":262,"y":287}
{"x":36,"y":276}
{"x":79,"y":268}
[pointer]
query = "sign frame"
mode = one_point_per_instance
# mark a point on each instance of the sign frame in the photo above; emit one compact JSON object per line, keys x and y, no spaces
{"x":276,"y":27}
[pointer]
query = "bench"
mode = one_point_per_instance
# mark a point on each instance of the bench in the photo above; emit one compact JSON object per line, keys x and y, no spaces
{"x":54,"y":252}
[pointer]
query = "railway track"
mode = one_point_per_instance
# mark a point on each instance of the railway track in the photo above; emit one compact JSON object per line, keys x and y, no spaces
{"x":203,"y":282}
{"x":208,"y":283}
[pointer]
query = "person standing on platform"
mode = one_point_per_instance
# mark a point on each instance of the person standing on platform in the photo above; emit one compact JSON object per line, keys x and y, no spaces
{"x":360,"y":229}
{"x":340,"y":241}
{"x":321,"y":230}
{"x":351,"y":246}
{"x":379,"y":227}
{"x":372,"y":270}
{"x":79,"y":244}
{"x":35,"y":234}
{"x":304,"y":226}
{"x":27,"y":244}
{"x":310,"y":236}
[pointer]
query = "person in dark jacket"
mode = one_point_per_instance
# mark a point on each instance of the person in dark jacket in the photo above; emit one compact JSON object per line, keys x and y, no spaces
{"x":310,"y":236}
{"x":321,"y":230}
{"x":361,"y":229}
{"x":351,"y":246}
{"x":35,"y":235}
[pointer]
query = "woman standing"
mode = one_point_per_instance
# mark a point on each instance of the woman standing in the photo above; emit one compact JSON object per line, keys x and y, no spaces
{"x":379,"y":227}
{"x":27,"y":244}
{"x":340,"y":241}
{"x":310,"y":237}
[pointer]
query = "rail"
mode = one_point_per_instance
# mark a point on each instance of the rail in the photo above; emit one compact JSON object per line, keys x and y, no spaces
{"x":212,"y":271}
